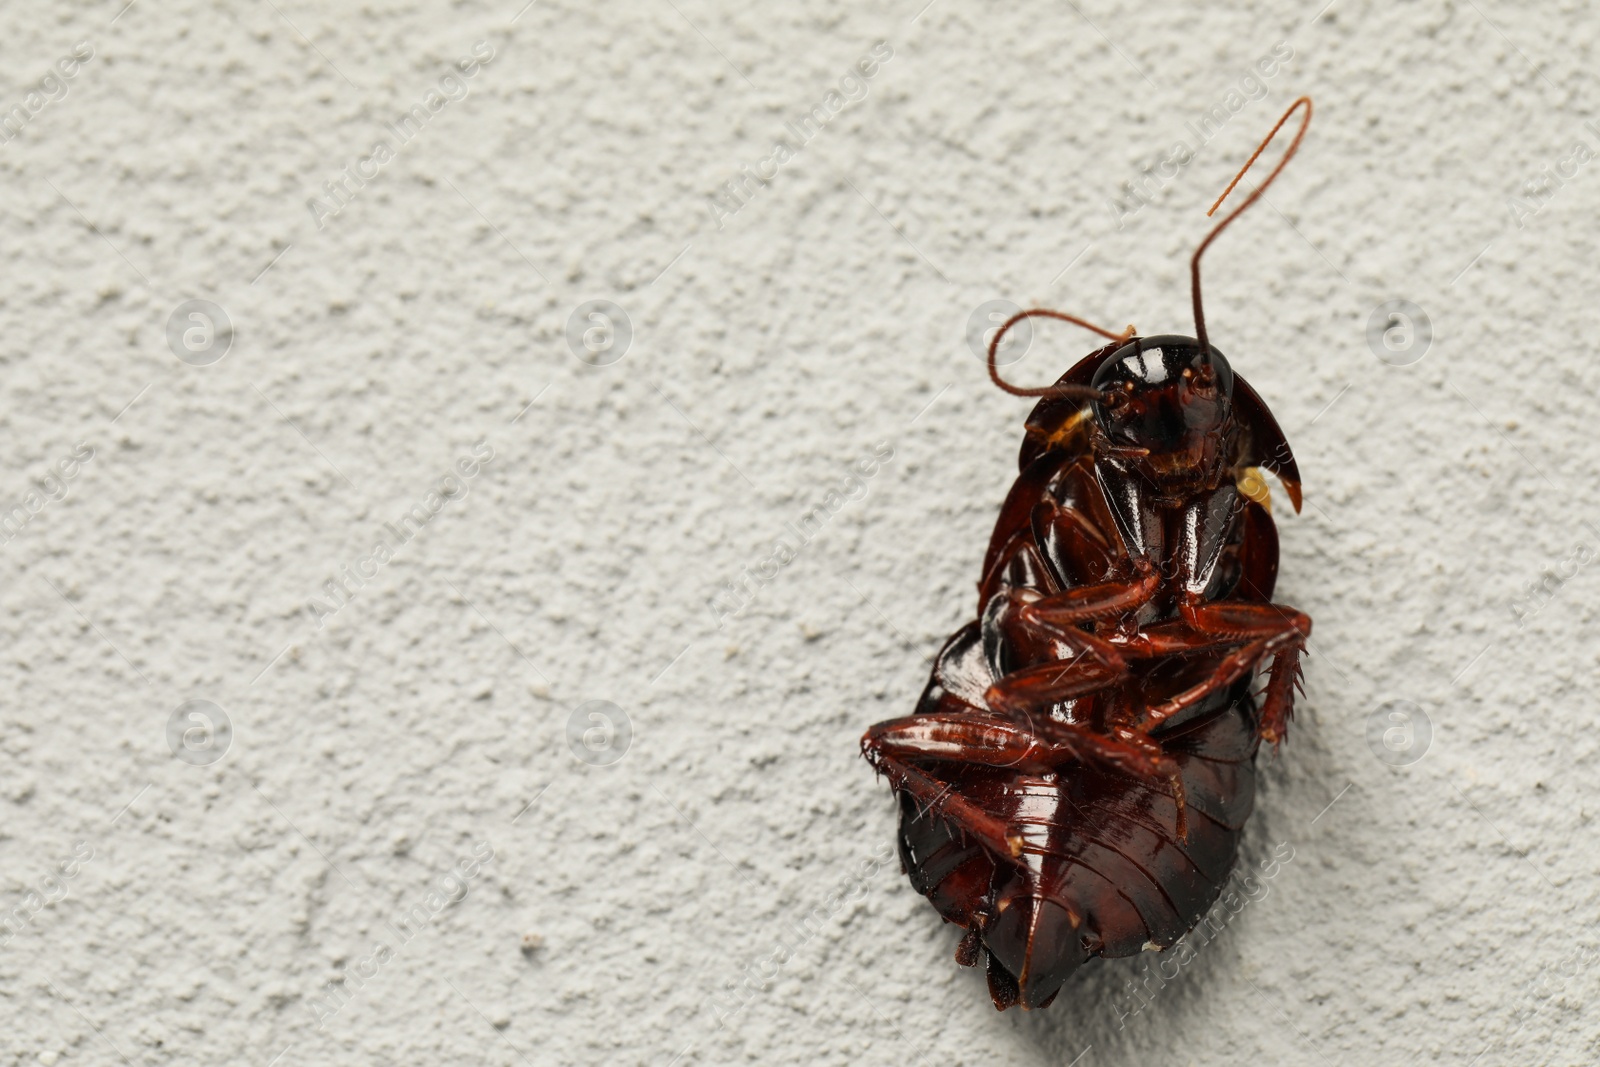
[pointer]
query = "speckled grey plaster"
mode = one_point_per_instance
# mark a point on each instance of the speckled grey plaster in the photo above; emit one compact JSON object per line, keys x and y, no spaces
{"x":419,"y":840}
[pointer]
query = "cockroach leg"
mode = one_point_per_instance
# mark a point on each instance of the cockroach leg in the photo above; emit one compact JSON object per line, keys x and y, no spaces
{"x":1091,"y":663}
{"x":1032,"y":688}
{"x":1079,"y":537}
{"x":942,"y":799}
{"x":1041,"y":747}
{"x":1234,"y":666}
{"x":973,"y":737}
{"x":1262,"y":630}
{"x":1278,"y":707}
{"x":1089,"y":603}
{"x":1126,"y":750}
{"x":993,"y":741}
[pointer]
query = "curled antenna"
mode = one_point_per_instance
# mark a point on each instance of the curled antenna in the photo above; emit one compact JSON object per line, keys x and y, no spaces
{"x":1194,"y":264}
{"x":1081,"y":392}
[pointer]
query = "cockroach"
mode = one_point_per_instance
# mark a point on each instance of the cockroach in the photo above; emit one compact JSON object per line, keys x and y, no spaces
{"x":1077,"y":775}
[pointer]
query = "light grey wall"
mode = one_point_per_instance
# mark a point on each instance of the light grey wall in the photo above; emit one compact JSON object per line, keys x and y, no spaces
{"x":413,"y":744}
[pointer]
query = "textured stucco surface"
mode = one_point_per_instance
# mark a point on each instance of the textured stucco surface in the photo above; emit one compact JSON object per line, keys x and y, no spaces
{"x":1436,"y":912}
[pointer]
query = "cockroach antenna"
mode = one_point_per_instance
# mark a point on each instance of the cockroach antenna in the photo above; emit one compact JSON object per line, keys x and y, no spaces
{"x":1081,"y":392}
{"x":1194,"y":264}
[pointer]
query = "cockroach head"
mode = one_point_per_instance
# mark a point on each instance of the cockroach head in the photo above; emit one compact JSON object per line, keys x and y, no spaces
{"x":1165,"y":403}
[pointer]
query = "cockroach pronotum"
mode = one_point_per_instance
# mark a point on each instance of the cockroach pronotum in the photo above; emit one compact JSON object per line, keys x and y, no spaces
{"x":1079,"y":770}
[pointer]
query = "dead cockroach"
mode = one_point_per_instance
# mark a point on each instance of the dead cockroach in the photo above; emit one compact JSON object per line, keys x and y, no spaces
{"x":1079,"y":770}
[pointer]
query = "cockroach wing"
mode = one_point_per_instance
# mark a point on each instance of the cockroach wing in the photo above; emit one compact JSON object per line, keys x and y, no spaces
{"x":1263,"y":443}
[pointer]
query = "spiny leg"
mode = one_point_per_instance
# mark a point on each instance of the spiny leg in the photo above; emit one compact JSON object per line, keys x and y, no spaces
{"x":1037,"y":747}
{"x":1277,"y":709}
{"x":1153,"y":763}
{"x":941,"y":798}
{"x":971,"y":737}
{"x":1096,"y":665}
{"x":1079,"y":543}
{"x":1126,"y":749}
{"x":1032,"y":747}
{"x":893,"y":747}
{"x":1030,"y":689}
{"x":1094,"y":662}
{"x":1103,"y":600}
{"x":1261,"y":630}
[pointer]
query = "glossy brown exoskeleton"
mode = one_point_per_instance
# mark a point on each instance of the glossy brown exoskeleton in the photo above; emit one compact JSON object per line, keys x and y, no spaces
{"x":1077,"y":775}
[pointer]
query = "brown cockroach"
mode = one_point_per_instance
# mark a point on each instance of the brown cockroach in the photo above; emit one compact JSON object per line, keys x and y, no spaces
{"x":1078,"y":772}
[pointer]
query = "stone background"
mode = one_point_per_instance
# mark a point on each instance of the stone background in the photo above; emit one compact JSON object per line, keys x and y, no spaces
{"x":178,"y":508}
